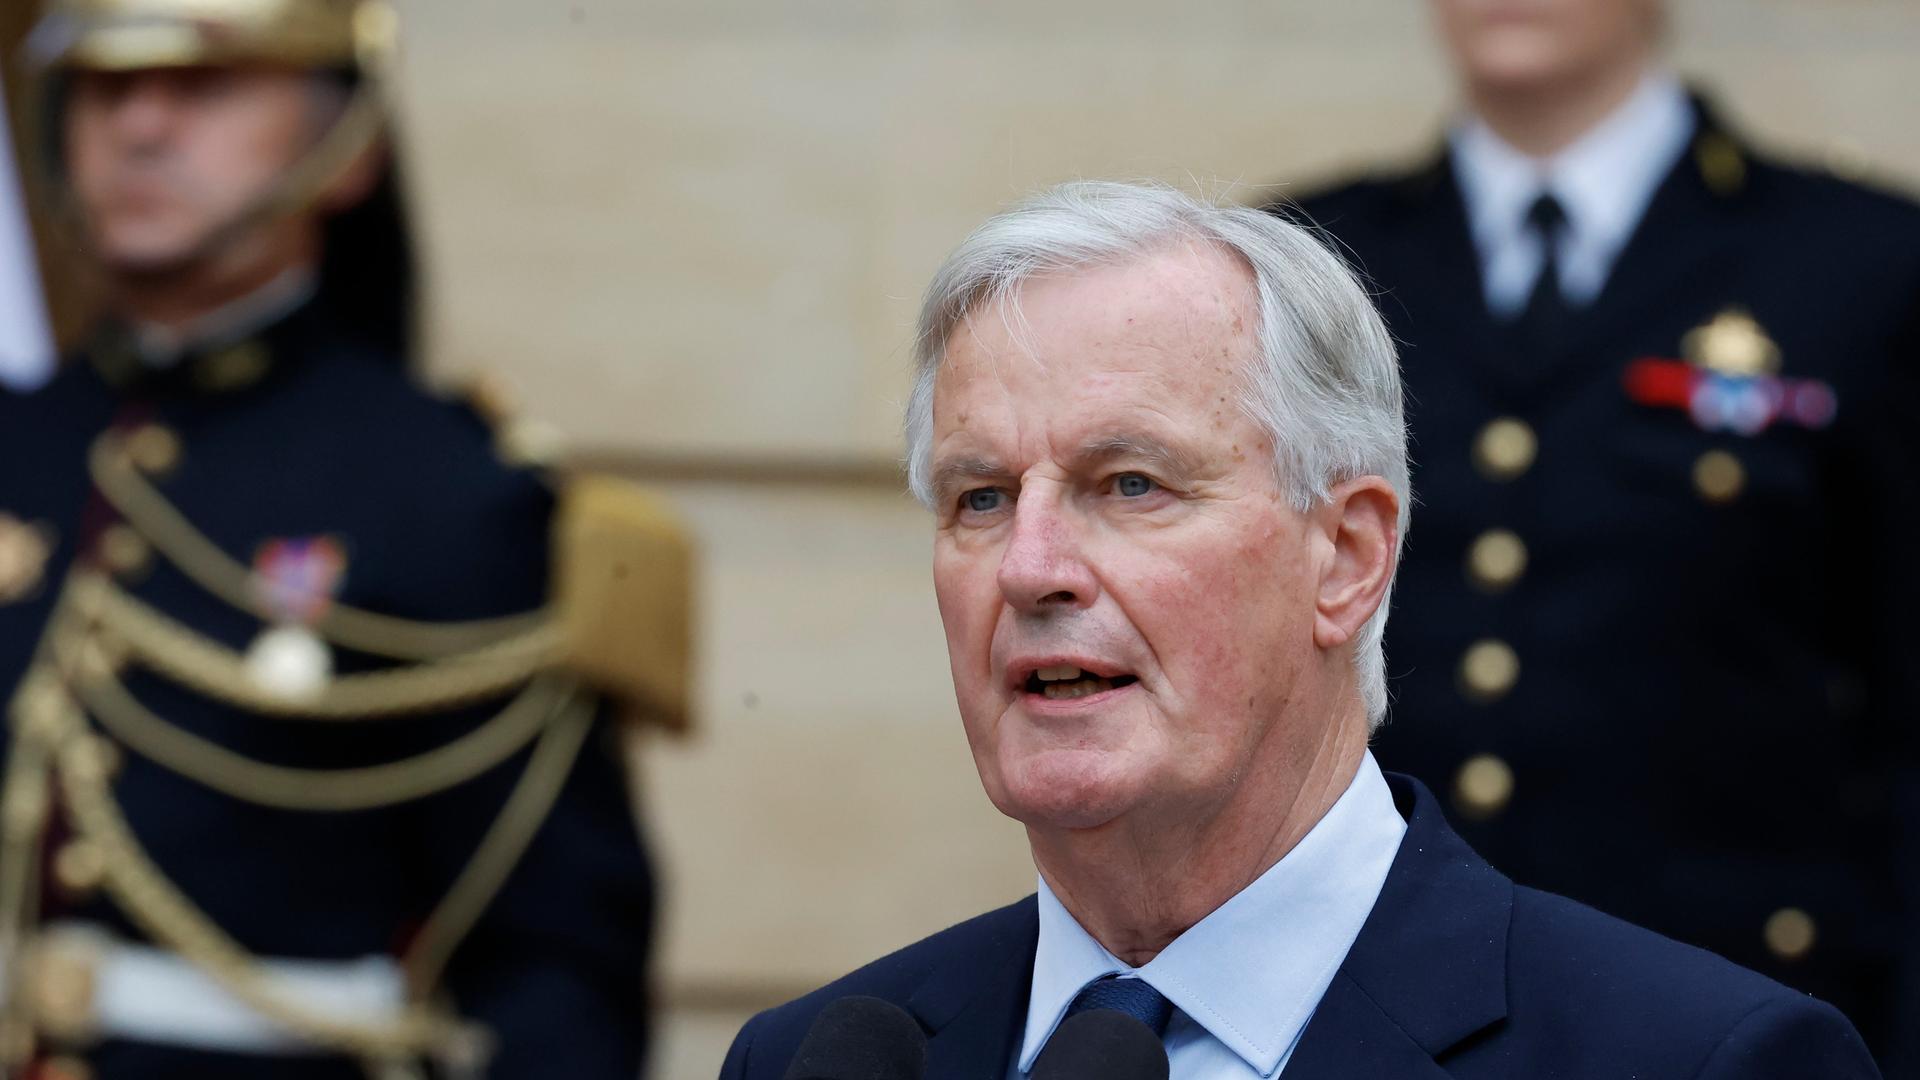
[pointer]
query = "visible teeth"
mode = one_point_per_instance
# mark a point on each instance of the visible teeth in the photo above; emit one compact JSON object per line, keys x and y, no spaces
{"x":1058,"y":673}
{"x":1078,"y":689}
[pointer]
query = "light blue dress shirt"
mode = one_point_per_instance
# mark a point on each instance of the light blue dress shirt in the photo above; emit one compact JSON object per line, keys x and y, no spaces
{"x":1245,"y":980}
{"x":1603,"y":180}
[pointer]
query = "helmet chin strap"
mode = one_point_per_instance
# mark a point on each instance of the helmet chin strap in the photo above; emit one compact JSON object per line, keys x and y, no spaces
{"x":357,"y":128}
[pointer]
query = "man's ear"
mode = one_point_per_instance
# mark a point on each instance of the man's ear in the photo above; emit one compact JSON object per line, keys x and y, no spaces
{"x":1361,"y":527}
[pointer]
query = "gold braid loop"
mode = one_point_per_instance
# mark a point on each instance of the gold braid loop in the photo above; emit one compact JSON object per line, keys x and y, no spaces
{"x":206,"y":762}
{"x":203,"y":664}
{"x":170,"y":919}
{"x":507,"y":838}
{"x":123,"y":487}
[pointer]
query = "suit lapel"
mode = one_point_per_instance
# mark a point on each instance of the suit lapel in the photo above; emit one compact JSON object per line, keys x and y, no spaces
{"x":1446,"y":299}
{"x":1350,"y":1037}
{"x":1451,"y":306}
{"x":1429,"y":968}
{"x":975,"y":1008}
{"x":1666,"y":249}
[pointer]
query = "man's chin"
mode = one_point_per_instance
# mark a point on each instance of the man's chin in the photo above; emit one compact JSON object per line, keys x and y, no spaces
{"x":1518,"y":66}
{"x":144,"y":253}
{"x":1067,"y":790}
{"x":146,"y":265}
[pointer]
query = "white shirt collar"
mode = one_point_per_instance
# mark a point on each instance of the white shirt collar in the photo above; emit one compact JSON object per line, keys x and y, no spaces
{"x":162,"y":347}
{"x":1604,"y":181}
{"x":1252,"y":972}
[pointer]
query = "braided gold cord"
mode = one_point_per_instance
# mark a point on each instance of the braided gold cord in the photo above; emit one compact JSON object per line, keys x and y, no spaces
{"x":162,"y":912}
{"x":183,"y":545}
{"x":204,"y":665}
{"x":54,"y":753}
{"x":507,"y":838}
{"x":52,"y":743}
{"x":23,"y":815}
{"x":319,"y":790}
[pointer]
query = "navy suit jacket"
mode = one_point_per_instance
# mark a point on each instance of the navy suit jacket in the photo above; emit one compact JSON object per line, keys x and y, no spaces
{"x":1457,"y":973}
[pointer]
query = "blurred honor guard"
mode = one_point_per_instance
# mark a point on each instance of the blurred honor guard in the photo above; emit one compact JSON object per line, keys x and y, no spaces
{"x":307,"y":773}
{"x":1655,"y":614}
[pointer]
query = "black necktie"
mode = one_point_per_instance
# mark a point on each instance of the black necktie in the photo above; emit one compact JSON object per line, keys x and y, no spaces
{"x":1543,"y":321}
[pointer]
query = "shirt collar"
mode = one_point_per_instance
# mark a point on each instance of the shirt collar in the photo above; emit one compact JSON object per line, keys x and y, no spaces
{"x":163,"y":347}
{"x":1252,"y":971}
{"x":1603,"y":180}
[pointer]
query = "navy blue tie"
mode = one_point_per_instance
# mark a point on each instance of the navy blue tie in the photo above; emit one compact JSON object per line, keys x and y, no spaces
{"x":1131,"y":996}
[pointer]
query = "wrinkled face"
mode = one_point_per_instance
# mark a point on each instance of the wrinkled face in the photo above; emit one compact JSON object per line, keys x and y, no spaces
{"x":1518,"y":44}
{"x":1125,"y":590}
{"x":160,"y":159}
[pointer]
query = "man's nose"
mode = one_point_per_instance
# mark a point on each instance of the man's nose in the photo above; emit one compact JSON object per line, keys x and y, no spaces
{"x":146,"y":110}
{"x":1043,"y":566}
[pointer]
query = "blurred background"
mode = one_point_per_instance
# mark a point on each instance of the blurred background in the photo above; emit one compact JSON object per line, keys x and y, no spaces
{"x":692,"y":233}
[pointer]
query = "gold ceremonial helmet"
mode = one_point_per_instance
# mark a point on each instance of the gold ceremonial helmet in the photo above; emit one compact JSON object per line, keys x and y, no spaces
{"x":124,"y":35}
{"x":353,"y":38}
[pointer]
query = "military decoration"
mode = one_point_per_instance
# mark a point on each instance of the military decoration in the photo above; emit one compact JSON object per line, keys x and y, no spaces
{"x":296,"y":580}
{"x":24,"y":550}
{"x":1730,"y":381}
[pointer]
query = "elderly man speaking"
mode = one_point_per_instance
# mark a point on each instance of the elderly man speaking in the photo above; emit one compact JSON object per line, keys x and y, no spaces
{"x":1164,"y":448}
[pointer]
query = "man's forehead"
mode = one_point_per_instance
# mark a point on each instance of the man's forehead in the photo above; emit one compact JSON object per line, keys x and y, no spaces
{"x":1179,"y":298}
{"x":1173,"y":320}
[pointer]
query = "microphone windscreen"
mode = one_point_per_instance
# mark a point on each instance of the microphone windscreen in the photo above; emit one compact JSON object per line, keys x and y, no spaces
{"x":861,"y":1038}
{"x":1105,"y":1044}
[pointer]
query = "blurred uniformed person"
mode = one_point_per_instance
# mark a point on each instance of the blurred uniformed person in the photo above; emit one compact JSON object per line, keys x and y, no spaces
{"x":1654,"y":618}
{"x":306,"y":771}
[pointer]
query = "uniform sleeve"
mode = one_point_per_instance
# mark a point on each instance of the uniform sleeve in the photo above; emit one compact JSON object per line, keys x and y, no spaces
{"x":1791,"y":1038}
{"x":557,"y":966}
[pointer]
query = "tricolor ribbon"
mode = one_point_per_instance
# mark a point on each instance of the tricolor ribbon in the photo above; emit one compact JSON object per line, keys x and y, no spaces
{"x":1742,"y":404}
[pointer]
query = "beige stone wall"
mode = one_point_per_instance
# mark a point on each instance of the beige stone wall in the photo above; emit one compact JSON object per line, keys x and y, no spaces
{"x":693,"y":231}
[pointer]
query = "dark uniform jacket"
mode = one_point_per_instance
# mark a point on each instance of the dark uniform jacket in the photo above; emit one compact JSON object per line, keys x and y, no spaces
{"x":301,"y":432}
{"x":1456,"y":973}
{"x":1687,"y":696}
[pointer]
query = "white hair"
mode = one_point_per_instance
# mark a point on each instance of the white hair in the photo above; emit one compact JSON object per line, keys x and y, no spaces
{"x":1325,"y":385}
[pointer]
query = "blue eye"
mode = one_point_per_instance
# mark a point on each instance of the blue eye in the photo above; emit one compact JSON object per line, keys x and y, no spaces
{"x":1132,"y":485}
{"x":982,"y":500}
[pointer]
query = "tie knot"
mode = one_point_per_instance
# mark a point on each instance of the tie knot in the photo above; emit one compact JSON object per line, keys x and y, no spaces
{"x":1133,"y":997}
{"x":1546,"y":214}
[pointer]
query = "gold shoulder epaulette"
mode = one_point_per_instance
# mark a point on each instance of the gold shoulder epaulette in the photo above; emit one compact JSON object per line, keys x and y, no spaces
{"x":622,"y":587}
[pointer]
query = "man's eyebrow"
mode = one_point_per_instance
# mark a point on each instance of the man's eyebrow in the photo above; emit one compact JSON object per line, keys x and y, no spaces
{"x":951,"y":472}
{"x":1137,"y":447}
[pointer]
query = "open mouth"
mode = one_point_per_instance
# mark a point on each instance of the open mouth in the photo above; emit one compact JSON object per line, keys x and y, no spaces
{"x":1066,"y":681}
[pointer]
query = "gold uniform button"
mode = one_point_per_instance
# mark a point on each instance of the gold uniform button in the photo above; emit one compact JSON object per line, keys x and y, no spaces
{"x":25,"y":548}
{"x":1488,"y":670}
{"x":124,"y":551}
{"x":1504,"y":449}
{"x":1790,"y":933}
{"x":154,"y":448}
{"x":80,"y":867}
{"x":1718,"y":476}
{"x":1721,"y":164}
{"x":1483,"y":786}
{"x":91,"y":759}
{"x":233,"y":368}
{"x":102,"y":659}
{"x":1496,"y":560}
{"x":529,"y":444}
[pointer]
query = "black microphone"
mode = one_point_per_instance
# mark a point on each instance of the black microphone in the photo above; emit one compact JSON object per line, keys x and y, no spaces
{"x":861,"y":1038}
{"x":1104,"y":1044}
